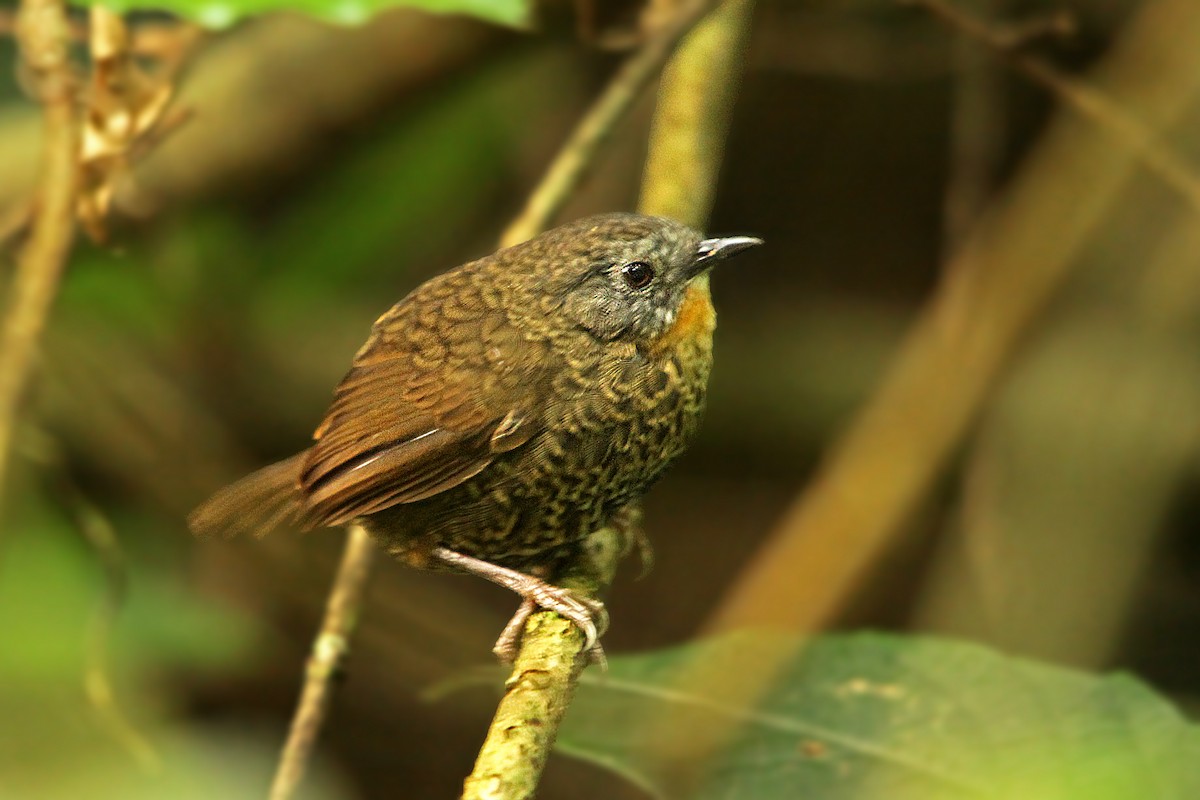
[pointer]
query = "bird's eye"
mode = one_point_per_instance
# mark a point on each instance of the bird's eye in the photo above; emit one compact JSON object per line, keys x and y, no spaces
{"x":638,"y":274}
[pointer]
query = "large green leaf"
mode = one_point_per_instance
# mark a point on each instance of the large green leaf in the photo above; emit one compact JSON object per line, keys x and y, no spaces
{"x":885,"y":718}
{"x":221,"y":13}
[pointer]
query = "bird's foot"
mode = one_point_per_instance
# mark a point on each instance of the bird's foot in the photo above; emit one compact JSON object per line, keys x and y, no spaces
{"x":588,"y":614}
{"x":509,"y":643}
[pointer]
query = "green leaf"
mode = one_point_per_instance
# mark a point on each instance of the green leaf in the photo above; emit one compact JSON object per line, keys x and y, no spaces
{"x":222,"y":13}
{"x":872,"y":716}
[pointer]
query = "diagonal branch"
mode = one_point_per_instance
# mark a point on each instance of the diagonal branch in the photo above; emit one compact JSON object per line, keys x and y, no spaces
{"x":1085,"y":99}
{"x":1007,"y":270}
{"x":329,"y":651}
{"x":43,"y":34}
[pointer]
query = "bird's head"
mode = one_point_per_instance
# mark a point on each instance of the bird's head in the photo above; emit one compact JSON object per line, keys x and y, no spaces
{"x":628,"y":276}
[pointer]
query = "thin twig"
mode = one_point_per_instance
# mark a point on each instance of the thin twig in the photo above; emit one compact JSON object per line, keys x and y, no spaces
{"x":43,"y":34}
{"x":690,"y":124}
{"x":98,"y":531}
{"x":325,"y":661}
{"x":1158,"y":157}
{"x":576,"y":156}
{"x":977,"y":122}
{"x":97,"y":681}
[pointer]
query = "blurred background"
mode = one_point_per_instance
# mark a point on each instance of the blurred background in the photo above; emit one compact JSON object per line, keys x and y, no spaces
{"x":326,"y":171}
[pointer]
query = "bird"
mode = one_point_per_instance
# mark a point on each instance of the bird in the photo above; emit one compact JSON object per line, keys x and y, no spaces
{"x":506,"y":409}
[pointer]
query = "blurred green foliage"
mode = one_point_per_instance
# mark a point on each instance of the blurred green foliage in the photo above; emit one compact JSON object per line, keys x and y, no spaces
{"x":49,"y":569}
{"x":60,"y":740}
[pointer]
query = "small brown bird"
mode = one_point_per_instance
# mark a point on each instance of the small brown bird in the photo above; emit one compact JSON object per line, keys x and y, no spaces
{"x":508,"y":408}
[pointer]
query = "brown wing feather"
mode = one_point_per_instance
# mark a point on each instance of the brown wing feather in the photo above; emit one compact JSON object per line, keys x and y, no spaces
{"x":404,"y":472}
{"x":421,"y":412}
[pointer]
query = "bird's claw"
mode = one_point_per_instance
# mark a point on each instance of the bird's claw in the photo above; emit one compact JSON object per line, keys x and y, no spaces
{"x":586,"y":613}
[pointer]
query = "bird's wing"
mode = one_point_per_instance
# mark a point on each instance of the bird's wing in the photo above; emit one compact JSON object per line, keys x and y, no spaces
{"x":443,"y":385}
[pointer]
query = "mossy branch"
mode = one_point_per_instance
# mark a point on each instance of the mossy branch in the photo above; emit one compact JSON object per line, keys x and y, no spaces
{"x":540,"y":688}
{"x":685,"y":151}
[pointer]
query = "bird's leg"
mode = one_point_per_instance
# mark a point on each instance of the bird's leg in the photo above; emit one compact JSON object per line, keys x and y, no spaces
{"x":509,"y":643}
{"x":588,"y":614}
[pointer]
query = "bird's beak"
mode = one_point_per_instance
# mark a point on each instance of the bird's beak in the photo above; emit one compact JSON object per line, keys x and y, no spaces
{"x":711,"y":251}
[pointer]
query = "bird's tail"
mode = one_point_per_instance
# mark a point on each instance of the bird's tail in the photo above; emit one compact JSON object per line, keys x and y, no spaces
{"x":256,"y":504}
